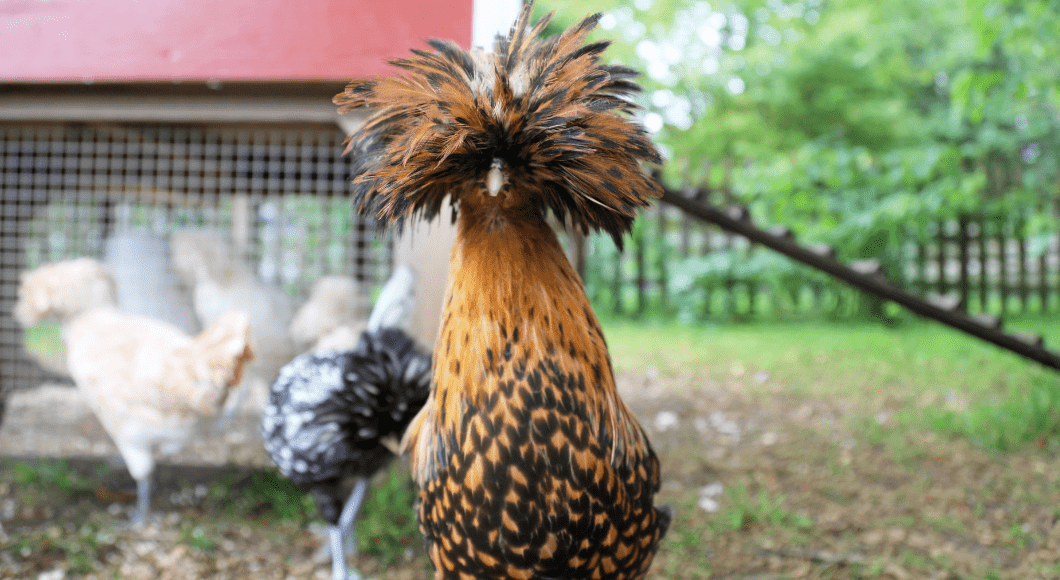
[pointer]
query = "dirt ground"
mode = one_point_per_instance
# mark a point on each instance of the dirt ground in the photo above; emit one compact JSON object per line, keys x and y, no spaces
{"x":767,"y":485}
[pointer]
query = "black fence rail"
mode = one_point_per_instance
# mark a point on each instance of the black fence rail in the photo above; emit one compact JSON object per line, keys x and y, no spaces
{"x":867,"y":276}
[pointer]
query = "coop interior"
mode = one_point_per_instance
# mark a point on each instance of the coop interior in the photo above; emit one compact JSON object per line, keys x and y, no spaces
{"x":190,"y":220}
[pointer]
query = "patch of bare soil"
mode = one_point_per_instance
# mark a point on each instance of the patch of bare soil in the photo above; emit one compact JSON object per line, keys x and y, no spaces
{"x":794,"y":487}
{"x":767,"y":485}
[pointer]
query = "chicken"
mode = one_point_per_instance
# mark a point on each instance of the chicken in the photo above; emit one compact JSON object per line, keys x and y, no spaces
{"x":529,"y":464}
{"x":220,"y":282}
{"x":330,"y":414}
{"x":146,"y":381}
{"x":142,"y":270}
{"x":329,"y":318}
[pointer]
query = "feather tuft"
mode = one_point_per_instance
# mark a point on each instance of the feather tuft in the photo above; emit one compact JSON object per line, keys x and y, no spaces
{"x":555,"y":116}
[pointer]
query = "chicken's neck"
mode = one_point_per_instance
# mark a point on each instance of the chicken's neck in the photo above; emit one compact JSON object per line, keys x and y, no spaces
{"x":514,"y":304}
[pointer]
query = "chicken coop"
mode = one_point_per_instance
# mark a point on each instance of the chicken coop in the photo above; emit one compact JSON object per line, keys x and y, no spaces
{"x":121,"y":134}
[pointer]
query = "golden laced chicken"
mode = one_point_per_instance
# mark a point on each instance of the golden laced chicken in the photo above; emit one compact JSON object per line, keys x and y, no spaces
{"x":529,"y":464}
{"x":147,"y":382}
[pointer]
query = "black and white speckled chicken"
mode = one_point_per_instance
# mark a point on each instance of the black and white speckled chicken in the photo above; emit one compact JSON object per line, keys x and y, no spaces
{"x":330,"y":414}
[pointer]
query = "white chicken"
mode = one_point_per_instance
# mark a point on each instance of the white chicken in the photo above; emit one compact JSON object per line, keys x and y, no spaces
{"x":220,"y":282}
{"x":147,"y":381}
{"x":330,"y":318}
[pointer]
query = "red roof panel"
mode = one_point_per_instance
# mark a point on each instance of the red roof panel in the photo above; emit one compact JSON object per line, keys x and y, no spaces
{"x":123,"y":40}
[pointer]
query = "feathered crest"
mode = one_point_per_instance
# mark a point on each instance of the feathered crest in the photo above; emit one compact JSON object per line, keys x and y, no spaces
{"x":555,"y":116}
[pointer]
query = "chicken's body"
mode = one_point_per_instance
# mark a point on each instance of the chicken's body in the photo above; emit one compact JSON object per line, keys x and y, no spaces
{"x":529,"y":463}
{"x":220,"y":281}
{"x":330,"y":412}
{"x":329,"y":319}
{"x":148,"y":383}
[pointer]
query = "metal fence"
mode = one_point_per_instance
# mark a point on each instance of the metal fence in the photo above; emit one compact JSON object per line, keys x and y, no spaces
{"x":277,"y":194}
{"x":992,"y":263}
{"x":673,"y":264}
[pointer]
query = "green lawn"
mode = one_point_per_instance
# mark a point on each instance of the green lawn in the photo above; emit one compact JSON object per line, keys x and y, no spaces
{"x":962,"y":385}
{"x":829,"y":358}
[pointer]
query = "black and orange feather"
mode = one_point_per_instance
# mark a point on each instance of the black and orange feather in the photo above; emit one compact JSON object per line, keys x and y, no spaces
{"x":529,"y":463}
{"x":549,"y":110}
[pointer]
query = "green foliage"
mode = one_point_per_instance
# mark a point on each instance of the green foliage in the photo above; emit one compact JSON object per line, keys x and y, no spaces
{"x":387,"y":525}
{"x":1021,"y":417}
{"x":271,"y":495}
{"x":52,"y":474}
{"x":854,"y":124}
{"x":743,"y":510}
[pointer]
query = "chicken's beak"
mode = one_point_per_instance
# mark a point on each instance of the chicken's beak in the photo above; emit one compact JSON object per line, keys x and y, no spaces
{"x":495,"y":179}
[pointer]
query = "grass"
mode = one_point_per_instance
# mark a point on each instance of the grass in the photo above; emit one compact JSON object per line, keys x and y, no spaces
{"x":79,"y":548}
{"x":941,"y":378}
{"x":998,"y":400}
{"x":684,"y":553}
{"x":387,"y":526}
{"x":270,"y":496}
{"x":197,"y":538}
{"x":821,"y":357}
{"x":45,"y":476}
{"x":262,"y":502}
{"x":744,"y":510}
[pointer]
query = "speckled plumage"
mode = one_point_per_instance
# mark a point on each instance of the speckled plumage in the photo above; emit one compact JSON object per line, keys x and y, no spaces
{"x":529,"y":463}
{"x":328,"y":412}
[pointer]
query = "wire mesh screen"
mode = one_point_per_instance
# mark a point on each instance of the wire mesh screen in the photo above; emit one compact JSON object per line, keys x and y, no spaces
{"x":273,"y":199}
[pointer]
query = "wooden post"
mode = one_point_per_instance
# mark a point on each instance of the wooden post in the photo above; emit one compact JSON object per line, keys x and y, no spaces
{"x":240,"y":228}
{"x":922,"y":266}
{"x":641,"y":263}
{"x":941,"y":284}
{"x":1043,"y":285}
{"x":661,"y":253}
{"x":577,"y":241}
{"x":729,"y":283}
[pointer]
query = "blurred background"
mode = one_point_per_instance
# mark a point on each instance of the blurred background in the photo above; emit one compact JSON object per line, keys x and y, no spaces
{"x":920,"y":134}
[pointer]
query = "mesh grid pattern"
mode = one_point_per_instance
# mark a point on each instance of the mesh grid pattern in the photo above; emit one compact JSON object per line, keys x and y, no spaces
{"x":279,"y":195}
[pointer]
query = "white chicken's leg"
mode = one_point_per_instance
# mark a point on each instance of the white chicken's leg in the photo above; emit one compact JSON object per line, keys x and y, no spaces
{"x":141,"y":465}
{"x":143,"y":501}
{"x":343,"y":534}
{"x":231,"y":406}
